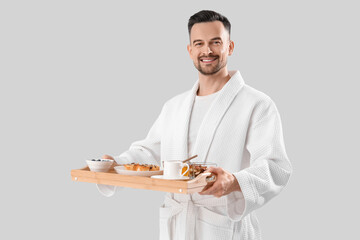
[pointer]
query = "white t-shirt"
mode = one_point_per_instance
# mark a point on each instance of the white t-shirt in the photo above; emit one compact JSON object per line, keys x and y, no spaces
{"x":200,"y":108}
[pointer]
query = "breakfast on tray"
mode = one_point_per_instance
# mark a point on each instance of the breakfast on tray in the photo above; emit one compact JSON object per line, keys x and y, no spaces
{"x":146,"y":176}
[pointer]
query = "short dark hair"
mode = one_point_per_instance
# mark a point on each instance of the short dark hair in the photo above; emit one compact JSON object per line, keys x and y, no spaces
{"x":208,"y":16}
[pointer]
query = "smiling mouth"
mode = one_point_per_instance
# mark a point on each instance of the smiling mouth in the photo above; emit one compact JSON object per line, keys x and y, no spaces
{"x":208,"y":60}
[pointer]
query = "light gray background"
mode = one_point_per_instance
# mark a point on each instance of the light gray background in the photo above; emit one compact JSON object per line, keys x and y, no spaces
{"x":83,"y":78}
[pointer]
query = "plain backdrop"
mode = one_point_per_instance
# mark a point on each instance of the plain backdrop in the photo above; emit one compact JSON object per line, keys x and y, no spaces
{"x":83,"y":78}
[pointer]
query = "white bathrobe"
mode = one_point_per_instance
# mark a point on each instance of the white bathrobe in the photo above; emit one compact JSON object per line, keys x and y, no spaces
{"x":242,"y":133}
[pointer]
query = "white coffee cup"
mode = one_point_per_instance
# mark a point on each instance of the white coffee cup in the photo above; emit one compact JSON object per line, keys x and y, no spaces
{"x":173,"y":169}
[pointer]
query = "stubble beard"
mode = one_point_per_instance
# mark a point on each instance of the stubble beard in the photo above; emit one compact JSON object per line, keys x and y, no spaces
{"x":212,"y":71}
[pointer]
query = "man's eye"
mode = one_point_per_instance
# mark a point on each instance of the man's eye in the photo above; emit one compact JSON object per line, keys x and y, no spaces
{"x":217,"y":42}
{"x":197,"y":44}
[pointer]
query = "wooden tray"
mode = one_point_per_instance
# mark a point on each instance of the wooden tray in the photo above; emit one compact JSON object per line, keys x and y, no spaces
{"x":115,"y":179}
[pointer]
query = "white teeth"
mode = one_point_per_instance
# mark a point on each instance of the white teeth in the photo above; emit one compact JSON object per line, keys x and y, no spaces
{"x":207,"y":60}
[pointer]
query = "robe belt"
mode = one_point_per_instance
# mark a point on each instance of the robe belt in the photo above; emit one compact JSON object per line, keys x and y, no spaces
{"x":186,"y":230}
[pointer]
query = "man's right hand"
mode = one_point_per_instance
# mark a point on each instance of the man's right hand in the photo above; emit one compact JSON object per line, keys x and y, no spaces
{"x":110,"y":157}
{"x":107,"y":157}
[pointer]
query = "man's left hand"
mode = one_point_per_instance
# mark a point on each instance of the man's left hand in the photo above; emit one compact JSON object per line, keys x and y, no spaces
{"x":225,"y":183}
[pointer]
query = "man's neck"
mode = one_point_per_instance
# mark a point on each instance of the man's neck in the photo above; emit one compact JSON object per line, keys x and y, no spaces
{"x":209,"y":84}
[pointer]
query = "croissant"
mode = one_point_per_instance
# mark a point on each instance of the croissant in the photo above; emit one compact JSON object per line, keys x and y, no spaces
{"x":141,"y":167}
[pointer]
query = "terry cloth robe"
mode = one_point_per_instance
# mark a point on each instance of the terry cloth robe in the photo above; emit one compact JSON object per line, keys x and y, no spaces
{"x":242,"y":133}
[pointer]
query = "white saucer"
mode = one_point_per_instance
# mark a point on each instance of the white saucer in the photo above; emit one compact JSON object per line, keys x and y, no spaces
{"x":162,"y":177}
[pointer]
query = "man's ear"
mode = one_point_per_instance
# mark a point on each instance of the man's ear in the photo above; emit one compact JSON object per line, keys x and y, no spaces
{"x":189,"y":48}
{"x":231,"y":47}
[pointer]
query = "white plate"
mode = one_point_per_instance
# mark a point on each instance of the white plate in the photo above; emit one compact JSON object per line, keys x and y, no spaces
{"x":162,"y":177}
{"x":122,"y":171}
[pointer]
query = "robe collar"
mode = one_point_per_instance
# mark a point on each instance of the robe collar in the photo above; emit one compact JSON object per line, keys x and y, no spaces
{"x":211,"y":119}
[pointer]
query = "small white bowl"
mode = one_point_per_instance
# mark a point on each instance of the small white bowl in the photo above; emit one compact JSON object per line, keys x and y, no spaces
{"x":100,"y":166}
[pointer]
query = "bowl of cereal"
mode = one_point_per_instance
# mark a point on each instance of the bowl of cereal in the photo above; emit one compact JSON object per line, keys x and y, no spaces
{"x":100,"y":165}
{"x":197,"y":168}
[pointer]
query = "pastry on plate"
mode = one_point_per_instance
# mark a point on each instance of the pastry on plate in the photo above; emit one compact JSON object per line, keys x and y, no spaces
{"x":141,"y":167}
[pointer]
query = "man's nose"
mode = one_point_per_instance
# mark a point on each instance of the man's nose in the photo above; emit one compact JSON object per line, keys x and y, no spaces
{"x":207,"y":50}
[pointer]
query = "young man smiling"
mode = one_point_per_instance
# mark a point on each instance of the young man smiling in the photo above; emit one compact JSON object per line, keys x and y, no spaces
{"x":222,"y":120}
{"x":209,"y":47}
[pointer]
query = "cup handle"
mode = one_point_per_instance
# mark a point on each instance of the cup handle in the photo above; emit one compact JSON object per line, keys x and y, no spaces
{"x":188,"y":167}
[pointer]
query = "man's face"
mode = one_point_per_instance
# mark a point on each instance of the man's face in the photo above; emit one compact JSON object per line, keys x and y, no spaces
{"x":209,"y":47}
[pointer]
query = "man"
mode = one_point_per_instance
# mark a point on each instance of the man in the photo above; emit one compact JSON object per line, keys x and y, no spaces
{"x":222,"y":120}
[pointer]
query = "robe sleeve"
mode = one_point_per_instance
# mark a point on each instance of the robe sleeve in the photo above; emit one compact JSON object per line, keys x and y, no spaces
{"x":146,"y":150}
{"x":142,"y":151}
{"x":269,"y":170}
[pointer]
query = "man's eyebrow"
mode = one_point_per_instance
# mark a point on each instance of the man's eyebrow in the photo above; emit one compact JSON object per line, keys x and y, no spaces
{"x":197,"y":40}
{"x":215,"y":38}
